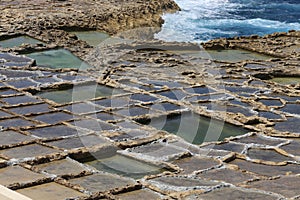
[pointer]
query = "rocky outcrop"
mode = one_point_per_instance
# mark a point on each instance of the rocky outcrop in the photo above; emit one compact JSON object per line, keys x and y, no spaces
{"x":109,"y":16}
{"x":280,"y":45}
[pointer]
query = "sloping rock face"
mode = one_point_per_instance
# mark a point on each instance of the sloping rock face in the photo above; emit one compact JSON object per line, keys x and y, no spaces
{"x":276,"y":44}
{"x":107,"y":15}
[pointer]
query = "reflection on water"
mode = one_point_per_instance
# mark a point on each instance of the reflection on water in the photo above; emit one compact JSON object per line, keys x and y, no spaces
{"x":18,"y":41}
{"x":197,"y":129}
{"x":93,"y":38}
{"x":125,"y":166}
{"x":78,"y":93}
{"x":59,"y":58}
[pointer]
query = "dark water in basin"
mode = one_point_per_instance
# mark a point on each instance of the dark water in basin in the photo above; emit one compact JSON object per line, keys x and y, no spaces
{"x":197,"y":129}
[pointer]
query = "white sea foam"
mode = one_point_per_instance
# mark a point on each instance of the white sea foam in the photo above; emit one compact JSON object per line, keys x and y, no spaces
{"x":201,"y":20}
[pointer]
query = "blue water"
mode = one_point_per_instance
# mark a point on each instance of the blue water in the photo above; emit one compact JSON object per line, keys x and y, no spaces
{"x":202,"y":20}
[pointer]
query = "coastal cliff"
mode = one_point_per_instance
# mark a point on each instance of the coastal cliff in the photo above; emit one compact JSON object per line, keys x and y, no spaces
{"x":109,"y":16}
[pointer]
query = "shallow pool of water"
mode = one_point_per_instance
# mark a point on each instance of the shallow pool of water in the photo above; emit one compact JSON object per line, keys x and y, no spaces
{"x":197,"y":129}
{"x":125,"y":166}
{"x":286,"y":80}
{"x":233,"y":55}
{"x":228,"y":55}
{"x":79,"y":93}
{"x":18,"y":41}
{"x":93,"y":38}
{"x":58,"y":58}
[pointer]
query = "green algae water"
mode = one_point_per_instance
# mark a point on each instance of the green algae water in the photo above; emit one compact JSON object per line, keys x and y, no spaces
{"x":226,"y":55}
{"x":286,"y":80}
{"x":125,"y":166}
{"x":197,"y":129}
{"x":18,"y":41}
{"x":234,"y":55}
{"x":58,"y":58}
{"x":93,"y":38}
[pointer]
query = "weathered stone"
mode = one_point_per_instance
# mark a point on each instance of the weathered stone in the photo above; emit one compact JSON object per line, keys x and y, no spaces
{"x":13,"y":138}
{"x":157,"y":151}
{"x":31,"y":109}
{"x":20,"y":100}
{"x":227,"y":147}
{"x":267,"y":155}
{"x":181,"y":183}
{"x":79,"y":142}
{"x":93,"y":125}
{"x":140,"y":194}
{"x":63,"y":167}
{"x":53,"y":118}
{"x":266,"y":170}
{"x":227,"y":175}
{"x":102,"y":182}
{"x":231,"y":193}
{"x":54,"y":131}
{"x":50,"y":191}
{"x":195,"y":163}
{"x":286,"y":186}
{"x":259,"y":139}
{"x":292,"y":148}
{"x":28,"y":151}
{"x":15,"y":122}
{"x":16,"y":175}
{"x":288,"y":126}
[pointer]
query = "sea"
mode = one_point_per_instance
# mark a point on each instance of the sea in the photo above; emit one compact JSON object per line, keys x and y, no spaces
{"x":203,"y":20}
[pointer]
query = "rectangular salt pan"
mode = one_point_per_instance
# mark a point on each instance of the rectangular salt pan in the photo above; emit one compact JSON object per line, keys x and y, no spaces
{"x":286,"y":80}
{"x":197,"y":129}
{"x":93,"y":38}
{"x":228,"y":55}
{"x":58,"y":58}
{"x":78,"y":93}
{"x":18,"y":41}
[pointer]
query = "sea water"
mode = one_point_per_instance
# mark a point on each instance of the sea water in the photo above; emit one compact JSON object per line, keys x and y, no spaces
{"x":202,"y":20}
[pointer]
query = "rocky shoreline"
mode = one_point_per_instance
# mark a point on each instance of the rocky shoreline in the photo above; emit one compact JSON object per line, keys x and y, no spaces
{"x":49,"y":21}
{"x":77,"y":146}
